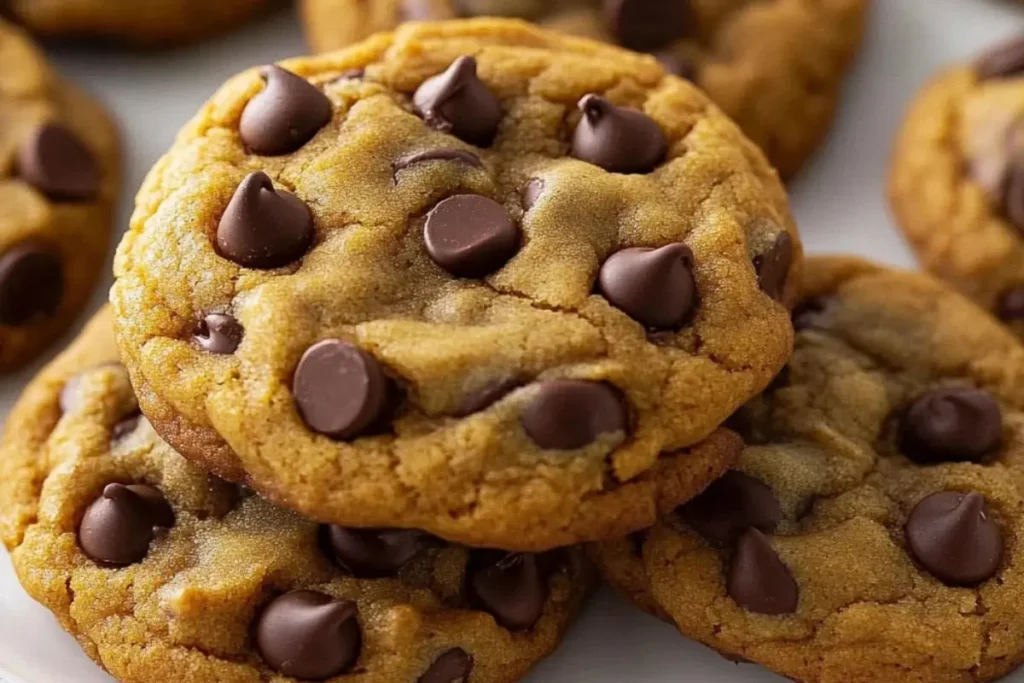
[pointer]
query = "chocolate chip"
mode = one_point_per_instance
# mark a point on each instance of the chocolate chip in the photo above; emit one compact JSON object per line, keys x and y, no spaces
{"x":340,"y":389}
{"x":618,"y":139}
{"x":646,"y":25}
{"x":263,"y":227}
{"x":1010,"y":306}
{"x":655,"y":287}
{"x":219,"y":333}
{"x":532,"y":192}
{"x":1013,"y":197}
{"x":118,"y":527}
{"x":458,"y":102}
{"x":443,"y":154}
{"x":285,"y":115}
{"x":807,"y":314}
{"x":31,"y":284}
{"x":54,"y":161}
{"x":486,"y":397}
{"x":1003,"y":61}
{"x":758,"y":580}
{"x":126,"y":426}
{"x":732,"y":505}
{"x":372,"y":553}
{"x":952,"y":535}
{"x":454,"y":666}
{"x":309,"y":635}
{"x":678,"y":64}
{"x":569,"y":414}
{"x":773,"y":266}
{"x":509,"y":586}
{"x":951,"y":425}
{"x":470,"y":235}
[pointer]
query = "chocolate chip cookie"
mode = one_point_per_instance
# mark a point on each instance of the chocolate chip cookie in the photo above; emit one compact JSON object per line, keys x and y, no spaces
{"x":166,"y":573}
{"x":957,"y":179}
{"x":153,"y":23}
{"x":59,"y":164}
{"x":475,"y":278}
{"x":872,"y":530}
{"x":775,"y":67}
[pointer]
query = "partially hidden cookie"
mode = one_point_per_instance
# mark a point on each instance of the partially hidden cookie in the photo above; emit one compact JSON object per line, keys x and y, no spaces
{"x":872,"y":531}
{"x":775,"y":67}
{"x":151,"y":23}
{"x":59,"y":178}
{"x":163,"y":572}
{"x":476,"y":278}
{"x":956,"y":182}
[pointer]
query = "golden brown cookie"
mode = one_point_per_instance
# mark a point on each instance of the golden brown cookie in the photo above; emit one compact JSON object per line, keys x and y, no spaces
{"x":775,"y":67}
{"x":59,"y":177}
{"x":403,"y":286}
{"x":145,"y":23}
{"x":872,"y":532}
{"x":166,"y":573}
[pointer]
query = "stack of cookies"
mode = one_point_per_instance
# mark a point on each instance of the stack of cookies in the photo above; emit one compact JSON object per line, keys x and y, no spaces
{"x":407,"y":339}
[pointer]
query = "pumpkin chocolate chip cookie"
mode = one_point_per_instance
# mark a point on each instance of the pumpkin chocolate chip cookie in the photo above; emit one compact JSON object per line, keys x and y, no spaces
{"x":872,"y":531}
{"x":476,"y":278}
{"x":165,"y":573}
{"x":59,"y":176}
{"x":775,"y":67}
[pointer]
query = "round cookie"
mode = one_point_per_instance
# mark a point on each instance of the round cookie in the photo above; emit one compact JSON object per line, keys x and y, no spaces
{"x":153,"y":23}
{"x":59,"y":176}
{"x":164,"y":572}
{"x":378,"y":322}
{"x":872,"y":530}
{"x":775,"y":67}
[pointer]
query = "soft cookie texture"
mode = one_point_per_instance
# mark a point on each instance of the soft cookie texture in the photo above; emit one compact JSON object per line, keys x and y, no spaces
{"x":872,"y":530}
{"x":144,"y":23}
{"x":476,"y":278}
{"x":59,"y":176}
{"x":957,"y":181}
{"x":775,"y":67}
{"x":166,"y":573}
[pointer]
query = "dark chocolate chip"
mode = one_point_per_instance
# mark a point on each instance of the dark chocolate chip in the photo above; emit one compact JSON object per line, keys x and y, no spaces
{"x":759,"y":581}
{"x":31,"y":284}
{"x":458,"y":102}
{"x":952,"y":424}
{"x":773,"y":266}
{"x":1010,"y":307}
{"x":340,"y":389}
{"x":1004,"y":61}
{"x":470,"y":235}
{"x":125,"y":426}
{"x":569,"y":414}
{"x":219,"y":333}
{"x":732,"y":505}
{"x":309,"y":635}
{"x":54,"y":161}
{"x":509,"y":586}
{"x":486,"y":397}
{"x":285,"y":115}
{"x":263,"y":227}
{"x":655,"y":287}
{"x":646,"y":25}
{"x":807,"y":314}
{"x":443,"y":154}
{"x":454,"y":666}
{"x":118,"y":527}
{"x":372,"y":553}
{"x":532,"y":192}
{"x":952,"y":535}
{"x":678,"y":64}
{"x":618,"y":139}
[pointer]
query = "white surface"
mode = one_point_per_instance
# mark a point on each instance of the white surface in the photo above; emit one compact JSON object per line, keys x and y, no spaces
{"x":839,"y":201}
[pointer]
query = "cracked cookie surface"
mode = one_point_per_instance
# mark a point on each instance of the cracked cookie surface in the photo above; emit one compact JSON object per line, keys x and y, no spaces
{"x":163,"y":572}
{"x":153,"y":23}
{"x":872,"y":530}
{"x":775,"y":67}
{"x":59,"y":177}
{"x":378,"y":323}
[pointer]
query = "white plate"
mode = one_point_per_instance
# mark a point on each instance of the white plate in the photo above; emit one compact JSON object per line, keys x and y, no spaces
{"x":839,"y":201}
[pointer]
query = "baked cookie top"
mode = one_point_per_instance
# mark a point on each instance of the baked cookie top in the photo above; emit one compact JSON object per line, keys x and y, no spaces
{"x":152,"y":23}
{"x":872,"y":529}
{"x":775,"y":67}
{"x":473,"y":277}
{"x":166,"y":573}
{"x":59,"y":177}
{"x":956,"y":182}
